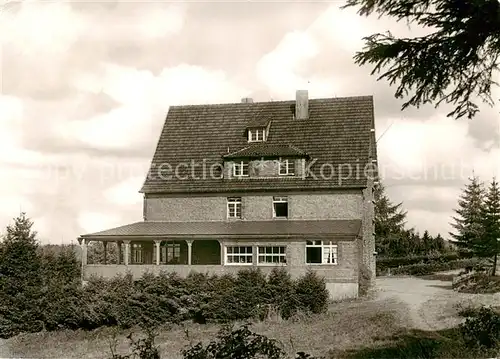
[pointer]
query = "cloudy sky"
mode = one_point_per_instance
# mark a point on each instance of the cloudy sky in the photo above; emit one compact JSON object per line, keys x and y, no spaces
{"x":86,"y":86}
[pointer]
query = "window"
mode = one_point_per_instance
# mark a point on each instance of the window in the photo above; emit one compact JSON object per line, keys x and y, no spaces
{"x":240,"y":168}
{"x":170,"y":252}
{"x":257,"y":135}
{"x":137,"y":253}
{"x":234,"y":207}
{"x":274,"y":255}
{"x":321,"y":252}
{"x":287,"y":167}
{"x":239,"y":255}
{"x":280,"y":207}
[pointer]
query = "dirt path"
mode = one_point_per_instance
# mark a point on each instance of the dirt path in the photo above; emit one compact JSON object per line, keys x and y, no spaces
{"x":430,"y":304}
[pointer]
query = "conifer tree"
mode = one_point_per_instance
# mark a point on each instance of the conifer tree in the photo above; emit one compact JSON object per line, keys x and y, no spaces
{"x":390,"y":220}
{"x":20,"y":279}
{"x":389,"y":217}
{"x":488,"y":244}
{"x":468,"y":222}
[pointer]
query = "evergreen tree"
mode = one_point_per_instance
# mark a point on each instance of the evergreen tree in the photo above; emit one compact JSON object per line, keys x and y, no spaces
{"x":20,"y":279}
{"x":488,"y":245}
{"x":390,"y":220}
{"x":440,"y":244}
{"x":454,"y":63}
{"x":468,"y":224}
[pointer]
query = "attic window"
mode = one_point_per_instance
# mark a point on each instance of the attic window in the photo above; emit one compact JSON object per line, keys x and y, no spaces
{"x":240,"y":169}
{"x":287,"y":167}
{"x":257,"y":135}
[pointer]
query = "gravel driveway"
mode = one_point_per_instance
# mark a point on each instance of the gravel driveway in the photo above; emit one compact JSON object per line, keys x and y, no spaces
{"x":430,"y":304}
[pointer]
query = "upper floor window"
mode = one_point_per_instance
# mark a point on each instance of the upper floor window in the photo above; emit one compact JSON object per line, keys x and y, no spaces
{"x":257,"y":135}
{"x":240,"y":168}
{"x":321,"y":252}
{"x":280,"y":207}
{"x":234,"y":207}
{"x":287,"y":167}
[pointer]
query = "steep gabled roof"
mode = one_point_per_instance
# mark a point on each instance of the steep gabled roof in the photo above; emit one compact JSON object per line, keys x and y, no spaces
{"x":266,"y":150}
{"x":336,"y":134}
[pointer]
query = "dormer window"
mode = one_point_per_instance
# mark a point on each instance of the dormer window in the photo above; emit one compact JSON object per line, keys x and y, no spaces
{"x":257,"y":135}
{"x":287,"y":167}
{"x":240,"y":169}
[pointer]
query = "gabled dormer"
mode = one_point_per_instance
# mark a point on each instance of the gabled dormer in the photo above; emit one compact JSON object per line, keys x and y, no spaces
{"x":257,"y":129}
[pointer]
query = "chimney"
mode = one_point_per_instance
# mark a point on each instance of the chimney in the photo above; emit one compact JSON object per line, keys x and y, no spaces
{"x":247,"y":100}
{"x":301,"y":105}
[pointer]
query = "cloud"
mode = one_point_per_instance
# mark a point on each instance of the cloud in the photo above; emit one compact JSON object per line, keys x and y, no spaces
{"x":47,"y":44}
{"x":145,"y":99}
{"x":126,"y":193}
{"x":92,"y":221}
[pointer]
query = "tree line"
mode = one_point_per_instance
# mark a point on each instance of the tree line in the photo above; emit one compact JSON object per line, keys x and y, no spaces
{"x":393,"y":239}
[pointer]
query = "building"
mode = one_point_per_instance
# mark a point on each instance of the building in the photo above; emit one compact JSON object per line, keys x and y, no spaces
{"x":264,"y":184}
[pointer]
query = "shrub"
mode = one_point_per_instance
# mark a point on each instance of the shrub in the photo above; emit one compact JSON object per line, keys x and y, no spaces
{"x":311,"y":293}
{"x":365,"y":277}
{"x":482,"y":328}
{"x":239,"y":343}
{"x":478,"y":282}
{"x":282,"y":294}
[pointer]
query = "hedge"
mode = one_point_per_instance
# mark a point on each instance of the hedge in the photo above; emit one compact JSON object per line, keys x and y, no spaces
{"x":393,"y":262}
{"x":430,"y":268}
{"x":168,"y":298}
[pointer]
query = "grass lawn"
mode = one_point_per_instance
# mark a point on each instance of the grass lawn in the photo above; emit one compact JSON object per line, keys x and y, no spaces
{"x":348,"y":325}
{"x":350,"y":330}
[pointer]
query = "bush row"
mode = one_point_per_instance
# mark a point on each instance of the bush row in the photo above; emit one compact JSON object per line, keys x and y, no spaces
{"x":477,"y":282}
{"x":432,"y":267}
{"x":167,"y":298}
{"x":384,"y":263}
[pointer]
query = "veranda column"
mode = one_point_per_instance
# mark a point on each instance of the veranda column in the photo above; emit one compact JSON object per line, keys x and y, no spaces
{"x":105,"y":245}
{"x":157,"y":244}
{"x":120,"y":253}
{"x":84,"y":243}
{"x":127,"y":251}
{"x":190,"y":244}
{"x":221,"y":244}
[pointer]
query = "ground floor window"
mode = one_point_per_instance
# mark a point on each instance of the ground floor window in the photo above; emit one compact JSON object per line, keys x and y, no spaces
{"x":239,"y":255}
{"x":272,"y":254}
{"x":321,"y":252}
{"x":170,"y":252}
{"x":137,"y":257}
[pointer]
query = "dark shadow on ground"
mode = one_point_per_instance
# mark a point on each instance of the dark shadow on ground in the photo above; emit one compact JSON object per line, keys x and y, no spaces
{"x":416,"y":344}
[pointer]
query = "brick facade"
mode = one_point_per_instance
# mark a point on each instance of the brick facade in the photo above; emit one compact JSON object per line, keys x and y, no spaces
{"x":341,"y":204}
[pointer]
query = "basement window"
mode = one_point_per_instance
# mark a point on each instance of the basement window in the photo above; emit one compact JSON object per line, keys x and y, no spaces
{"x":321,"y":252}
{"x":280,"y":207}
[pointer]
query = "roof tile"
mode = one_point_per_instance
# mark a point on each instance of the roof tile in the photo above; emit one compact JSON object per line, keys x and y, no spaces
{"x":336,"y":135}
